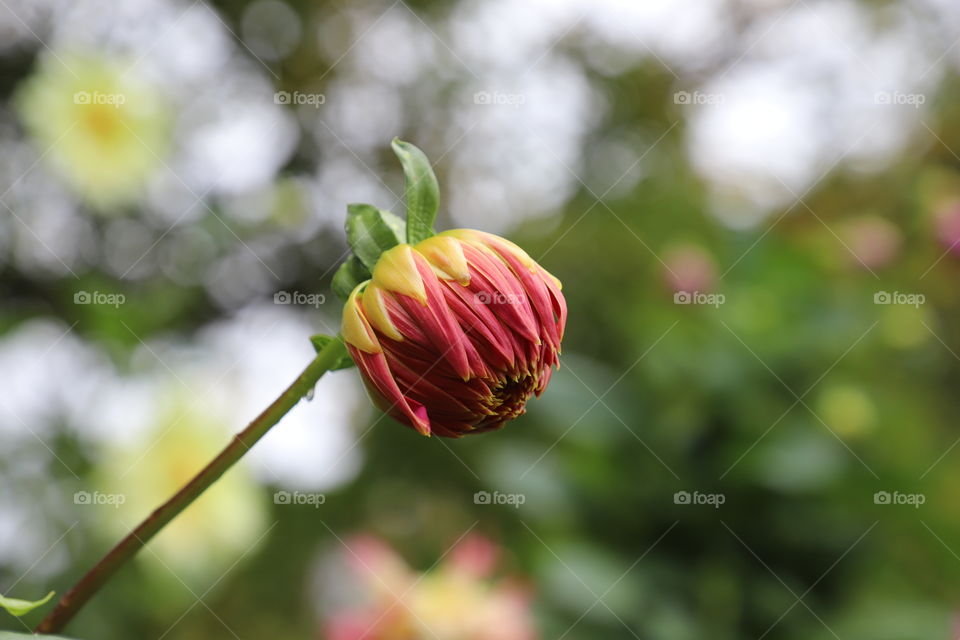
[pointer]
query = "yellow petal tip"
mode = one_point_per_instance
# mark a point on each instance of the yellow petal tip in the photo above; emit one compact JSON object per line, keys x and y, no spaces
{"x":356,"y":330}
{"x":375,"y":307}
{"x":397,"y":271}
{"x":445,"y":255}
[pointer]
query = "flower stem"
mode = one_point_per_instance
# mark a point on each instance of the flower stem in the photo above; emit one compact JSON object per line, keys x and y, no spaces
{"x":95,"y":578}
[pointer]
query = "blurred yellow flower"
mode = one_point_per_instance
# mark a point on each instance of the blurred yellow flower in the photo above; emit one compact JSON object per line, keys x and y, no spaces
{"x":103,"y":129}
{"x":221,"y":526}
{"x":848,"y":410}
{"x":905,"y":327}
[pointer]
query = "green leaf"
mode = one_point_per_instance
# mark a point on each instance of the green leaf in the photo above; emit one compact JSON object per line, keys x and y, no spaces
{"x":9,"y":635}
{"x":348,"y":276}
{"x":421,"y":191}
{"x":19,"y":607}
{"x":371,"y":231}
{"x":320,"y":342}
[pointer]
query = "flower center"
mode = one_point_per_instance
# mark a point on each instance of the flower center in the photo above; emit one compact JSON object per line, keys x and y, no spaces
{"x":103,"y":121}
{"x":510,"y":396}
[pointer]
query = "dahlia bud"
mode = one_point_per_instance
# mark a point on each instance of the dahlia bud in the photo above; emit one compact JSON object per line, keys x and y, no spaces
{"x":453,"y":334}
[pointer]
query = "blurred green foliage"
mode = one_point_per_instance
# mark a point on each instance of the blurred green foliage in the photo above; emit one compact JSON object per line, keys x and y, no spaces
{"x":797,"y":399}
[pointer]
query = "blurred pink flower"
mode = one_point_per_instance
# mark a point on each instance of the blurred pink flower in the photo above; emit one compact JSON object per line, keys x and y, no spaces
{"x":689,"y":268}
{"x":871,"y":241}
{"x":457,"y":600}
{"x":947,"y":224}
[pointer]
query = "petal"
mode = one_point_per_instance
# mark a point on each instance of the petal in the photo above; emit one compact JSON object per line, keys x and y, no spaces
{"x":375,"y":310}
{"x":397,"y":271}
{"x":445,"y":255}
{"x":355,"y":328}
{"x":489,"y":337}
{"x":422,"y":386}
{"x":385,"y":392}
{"x":495,"y":284}
{"x":537,"y":291}
{"x":438,"y":323}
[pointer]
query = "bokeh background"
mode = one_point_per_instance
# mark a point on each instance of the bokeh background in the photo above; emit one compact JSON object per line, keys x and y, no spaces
{"x":754,"y":207}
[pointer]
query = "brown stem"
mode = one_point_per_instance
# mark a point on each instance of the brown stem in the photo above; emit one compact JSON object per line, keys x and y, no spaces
{"x":95,"y":578}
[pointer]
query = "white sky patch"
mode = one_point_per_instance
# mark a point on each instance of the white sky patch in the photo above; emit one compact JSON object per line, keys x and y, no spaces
{"x":243,"y":150}
{"x":47,"y":372}
{"x":820,"y":89}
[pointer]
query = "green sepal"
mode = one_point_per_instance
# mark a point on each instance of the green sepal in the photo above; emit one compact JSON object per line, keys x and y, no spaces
{"x":348,"y":276}
{"x":421,"y":191}
{"x":17,"y":607}
{"x":371,"y":231}
{"x":320,"y":342}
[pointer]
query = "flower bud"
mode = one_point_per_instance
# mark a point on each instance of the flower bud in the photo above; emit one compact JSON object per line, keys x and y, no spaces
{"x":454,"y":334}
